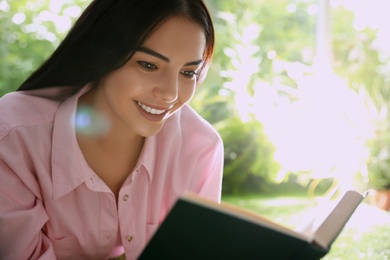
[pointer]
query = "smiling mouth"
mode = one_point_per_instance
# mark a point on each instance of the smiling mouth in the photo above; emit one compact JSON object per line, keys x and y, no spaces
{"x":151,"y":110}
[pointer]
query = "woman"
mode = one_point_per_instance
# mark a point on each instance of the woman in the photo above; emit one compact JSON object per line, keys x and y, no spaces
{"x":97,"y":145}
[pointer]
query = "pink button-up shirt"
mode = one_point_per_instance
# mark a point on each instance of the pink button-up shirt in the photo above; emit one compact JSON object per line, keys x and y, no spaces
{"x":52,"y":204}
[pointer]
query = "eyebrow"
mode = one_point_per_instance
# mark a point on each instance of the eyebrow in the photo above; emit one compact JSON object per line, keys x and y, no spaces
{"x":166,"y":59}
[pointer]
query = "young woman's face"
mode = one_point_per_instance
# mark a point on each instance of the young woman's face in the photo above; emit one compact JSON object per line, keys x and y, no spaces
{"x":157,"y":81}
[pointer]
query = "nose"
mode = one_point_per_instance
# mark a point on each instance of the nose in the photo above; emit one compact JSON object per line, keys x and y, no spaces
{"x":167,"y":89}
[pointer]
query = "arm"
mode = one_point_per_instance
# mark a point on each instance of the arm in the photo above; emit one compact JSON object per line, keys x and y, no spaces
{"x":211,"y":167}
{"x":22,"y":216}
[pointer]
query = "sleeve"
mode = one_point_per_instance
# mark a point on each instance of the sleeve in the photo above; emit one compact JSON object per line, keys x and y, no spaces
{"x":22,"y":217}
{"x":211,"y":166}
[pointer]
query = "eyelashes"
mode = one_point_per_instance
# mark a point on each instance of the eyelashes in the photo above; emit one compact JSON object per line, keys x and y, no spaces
{"x":147,"y":66}
{"x":189,"y":74}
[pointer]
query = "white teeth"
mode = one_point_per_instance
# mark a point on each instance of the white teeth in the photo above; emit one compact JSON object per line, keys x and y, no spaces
{"x":150,"y":110}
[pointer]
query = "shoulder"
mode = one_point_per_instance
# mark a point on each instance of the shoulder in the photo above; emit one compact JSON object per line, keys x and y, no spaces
{"x":26,"y":108}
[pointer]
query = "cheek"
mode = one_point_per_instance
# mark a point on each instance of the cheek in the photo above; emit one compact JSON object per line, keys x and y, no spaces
{"x":124,"y":82}
{"x":187,"y":91}
{"x":116,"y":80}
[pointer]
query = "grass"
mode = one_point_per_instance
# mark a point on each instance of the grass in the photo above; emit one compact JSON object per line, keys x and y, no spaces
{"x":365,"y":236}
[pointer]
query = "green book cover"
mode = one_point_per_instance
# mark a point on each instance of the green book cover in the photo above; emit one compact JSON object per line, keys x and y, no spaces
{"x":199,"y":229}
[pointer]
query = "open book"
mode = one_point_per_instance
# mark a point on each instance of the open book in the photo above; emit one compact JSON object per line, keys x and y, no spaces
{"x":197,"y":228}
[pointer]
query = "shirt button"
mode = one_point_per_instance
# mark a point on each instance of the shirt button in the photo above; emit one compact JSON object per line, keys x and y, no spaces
{"x":126,"y":197}
{"x":129,"y":238}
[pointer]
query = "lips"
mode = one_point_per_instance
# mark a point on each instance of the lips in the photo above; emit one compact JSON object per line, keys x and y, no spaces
{"x":151,"y":110}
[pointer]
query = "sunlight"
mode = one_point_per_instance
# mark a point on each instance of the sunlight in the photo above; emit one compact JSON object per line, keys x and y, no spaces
{"x":319,"y":126}
{"x":18,"y":18}
{"x":322,"y":130}
{"x":373,"y":14}
{"x":4,"y":6}
{"x":245,"y":64}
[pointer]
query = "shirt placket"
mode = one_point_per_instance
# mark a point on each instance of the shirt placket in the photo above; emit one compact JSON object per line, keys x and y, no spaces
{"x":131,"y":210}
{"x":108,"y":222}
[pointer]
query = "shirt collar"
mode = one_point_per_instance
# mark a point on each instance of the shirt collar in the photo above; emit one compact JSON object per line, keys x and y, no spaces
{"x":147,"y":157}
{"x":154,"y":146}
{"x":66,"y":163}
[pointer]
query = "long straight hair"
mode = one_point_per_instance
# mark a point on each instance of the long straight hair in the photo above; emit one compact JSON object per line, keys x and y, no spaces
{"x":107,"y":34}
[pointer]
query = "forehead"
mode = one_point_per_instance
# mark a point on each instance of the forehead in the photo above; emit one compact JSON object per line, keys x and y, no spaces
{"x":178,"y":37}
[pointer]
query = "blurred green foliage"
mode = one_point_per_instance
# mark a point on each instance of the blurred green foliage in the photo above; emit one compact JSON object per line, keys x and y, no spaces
{"x":29,"y":35}
{"x":379,"y":162}
{"x":248,"y":156}
{"x":285,"y":27}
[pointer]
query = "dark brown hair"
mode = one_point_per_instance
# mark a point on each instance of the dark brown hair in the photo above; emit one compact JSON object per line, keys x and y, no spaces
{"x":107,"y":34}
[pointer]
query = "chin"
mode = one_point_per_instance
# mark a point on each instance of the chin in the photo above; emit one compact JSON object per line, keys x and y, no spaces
{"x":149,"y":132}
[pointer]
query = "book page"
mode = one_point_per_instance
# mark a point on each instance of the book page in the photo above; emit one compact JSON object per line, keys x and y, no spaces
{"x":314,"y":217}
{"x":245,"y":215}
{"x":331,"y":218}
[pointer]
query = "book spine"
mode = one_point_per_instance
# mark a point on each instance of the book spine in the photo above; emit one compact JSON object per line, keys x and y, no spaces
{"x":310,"y":252}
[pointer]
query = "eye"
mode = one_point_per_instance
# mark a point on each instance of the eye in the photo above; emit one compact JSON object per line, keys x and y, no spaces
{"x":189,"y":74}
{"x":147,"y":66}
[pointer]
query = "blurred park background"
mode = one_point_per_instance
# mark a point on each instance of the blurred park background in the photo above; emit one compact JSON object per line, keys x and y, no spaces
{"x":298,"y":89}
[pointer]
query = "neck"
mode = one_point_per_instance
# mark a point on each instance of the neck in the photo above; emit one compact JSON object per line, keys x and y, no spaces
{"x":115,"y":143}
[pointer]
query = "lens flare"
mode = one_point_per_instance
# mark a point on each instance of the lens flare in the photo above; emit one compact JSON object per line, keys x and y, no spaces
{"x":89,"y":122}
